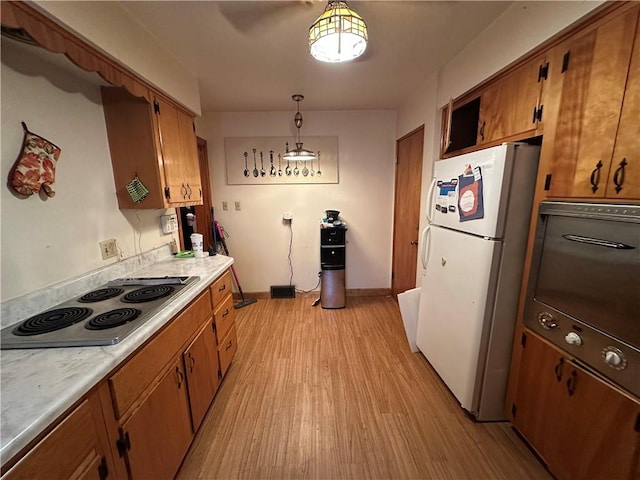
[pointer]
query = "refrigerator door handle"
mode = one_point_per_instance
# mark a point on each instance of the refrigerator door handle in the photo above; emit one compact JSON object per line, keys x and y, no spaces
{"x":424,"y":246}
{"x":430,"y":198}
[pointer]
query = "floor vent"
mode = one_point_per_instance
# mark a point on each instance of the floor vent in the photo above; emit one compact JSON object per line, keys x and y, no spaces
{"x":283,"y":291}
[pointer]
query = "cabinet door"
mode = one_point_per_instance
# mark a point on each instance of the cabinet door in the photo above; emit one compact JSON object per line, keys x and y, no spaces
{"x":160,"y":430}
{"x":510,"y":106}
{"x":171,"y":151}
{"x":189,"y":156}
{"x":71,"y":450}
{"x":593,"y":75}
{"x":580,"y":426}
{"x":624,"y":176}
{"x":201,"y":365}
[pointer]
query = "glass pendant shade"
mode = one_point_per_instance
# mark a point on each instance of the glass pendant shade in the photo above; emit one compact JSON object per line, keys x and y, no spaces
{"x":338,"y":35}
{"x":300,"y":154}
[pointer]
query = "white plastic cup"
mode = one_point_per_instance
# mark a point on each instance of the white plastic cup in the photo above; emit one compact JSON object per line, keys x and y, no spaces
{"x":196,"y":244}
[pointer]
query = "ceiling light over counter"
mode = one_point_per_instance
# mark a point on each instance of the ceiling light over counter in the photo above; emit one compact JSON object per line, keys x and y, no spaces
{"x":338,"y":35}
{"x":299,"y":153}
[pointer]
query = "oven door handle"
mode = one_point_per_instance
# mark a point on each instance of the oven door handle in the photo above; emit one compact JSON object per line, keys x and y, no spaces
{"x":598,"y":241}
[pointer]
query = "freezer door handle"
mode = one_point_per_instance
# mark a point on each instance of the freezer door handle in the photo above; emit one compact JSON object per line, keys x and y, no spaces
{"x":430,"y":199}
{"x":424,"y":246}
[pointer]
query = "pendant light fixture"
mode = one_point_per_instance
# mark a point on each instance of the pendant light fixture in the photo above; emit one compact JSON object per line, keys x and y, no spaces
{"x":338,"y":35}
{"x":298,"y":153}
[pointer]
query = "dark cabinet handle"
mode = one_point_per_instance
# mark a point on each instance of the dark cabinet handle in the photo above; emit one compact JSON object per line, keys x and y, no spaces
{"x":180,"y":377}
{"x":226,"y":312}
{"x":535,"y":114}
{"x":183,"y":189}
{"x":192,"y":362}
{"x":558,"y":369}
{"x":571,"y":383}
{"x":222,"y":288}
{"x":229,"y":345}
{"x":618,"y":176}
{"x":482,"y":130}
{"x":189,"y":190}
{"x":595,"y":177}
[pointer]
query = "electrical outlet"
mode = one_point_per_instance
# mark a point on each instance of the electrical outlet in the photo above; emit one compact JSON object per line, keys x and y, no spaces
{"x":238,"y":206}
{"x":109,"y":248}
{"x":225,"y":206}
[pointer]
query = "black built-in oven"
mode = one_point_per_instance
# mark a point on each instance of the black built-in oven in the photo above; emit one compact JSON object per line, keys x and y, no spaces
{"x":584,"y":286}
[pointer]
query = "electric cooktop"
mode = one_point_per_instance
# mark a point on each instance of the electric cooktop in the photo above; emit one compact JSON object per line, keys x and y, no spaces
{"x":103,"y":316}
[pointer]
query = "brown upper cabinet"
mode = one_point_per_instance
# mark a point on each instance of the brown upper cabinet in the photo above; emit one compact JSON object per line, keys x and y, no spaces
{"x":596,"y":147}
{"x":155,"y":143}
{"x":513,"y":104}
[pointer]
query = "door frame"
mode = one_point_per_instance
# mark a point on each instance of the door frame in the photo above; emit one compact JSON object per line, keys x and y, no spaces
{"x":395,"y":248}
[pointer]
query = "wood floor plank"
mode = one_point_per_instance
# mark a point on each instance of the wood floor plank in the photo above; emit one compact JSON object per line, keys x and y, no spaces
{"x":337,"y":394}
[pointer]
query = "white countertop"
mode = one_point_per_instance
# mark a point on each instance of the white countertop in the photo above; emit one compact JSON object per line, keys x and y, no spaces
{"x":38,"y":385}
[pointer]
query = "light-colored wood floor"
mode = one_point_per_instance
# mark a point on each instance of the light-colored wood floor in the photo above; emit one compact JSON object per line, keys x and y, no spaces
{"x":332,"y":394}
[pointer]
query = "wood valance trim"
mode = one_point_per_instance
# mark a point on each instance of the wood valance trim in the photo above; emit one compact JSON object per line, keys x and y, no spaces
{"x":54,"y":38}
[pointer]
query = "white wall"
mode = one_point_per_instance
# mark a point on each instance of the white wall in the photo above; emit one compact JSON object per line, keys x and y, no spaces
{"x":522,"y":27}
{"x":107,"y":26}
{"x":259,"y":241}
{"x":47,"y":241}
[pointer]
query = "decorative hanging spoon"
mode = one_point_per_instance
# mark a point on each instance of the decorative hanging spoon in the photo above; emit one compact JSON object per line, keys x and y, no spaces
{"x":255,"y":167}
{"x":305,"y":170}
{"x":272,"y":170}
{"x":279,"y":165}
{"x":296,"y":172}
{"x":319,"y":172}
{"x":246,"y":170}
{"x":262,"y":172}
{"x":312,"y":172}
{"x":287,"y":169}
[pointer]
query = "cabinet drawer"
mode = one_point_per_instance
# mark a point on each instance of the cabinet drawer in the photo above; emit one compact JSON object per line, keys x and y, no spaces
{"x":224,"y":317}
{"x":221,"y":288}
{"x":70,"y":445}
{"x":227,"y":350}
{"x":137,"y":374}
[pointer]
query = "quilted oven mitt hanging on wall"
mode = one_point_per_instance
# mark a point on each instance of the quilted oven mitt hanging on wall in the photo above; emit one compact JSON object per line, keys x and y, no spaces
{"x":35,"y":167}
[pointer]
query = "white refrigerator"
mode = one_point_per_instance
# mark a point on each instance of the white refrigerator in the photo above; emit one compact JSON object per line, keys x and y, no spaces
{"x":473,"y":253}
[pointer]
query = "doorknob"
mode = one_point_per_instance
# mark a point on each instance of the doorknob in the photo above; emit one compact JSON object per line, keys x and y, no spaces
{"x":414,"y":242}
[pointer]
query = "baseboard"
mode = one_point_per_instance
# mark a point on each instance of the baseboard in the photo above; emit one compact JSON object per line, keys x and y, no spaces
{"x":355,"y":292}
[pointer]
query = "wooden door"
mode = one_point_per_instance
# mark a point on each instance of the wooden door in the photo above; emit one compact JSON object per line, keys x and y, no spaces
{"x":594,"y":72}
{"x":160,"y":430}
{"x":624,"y":175}
{"x":406,"y":218}
{"x":509,"y":106}
{"x":201,"y":365}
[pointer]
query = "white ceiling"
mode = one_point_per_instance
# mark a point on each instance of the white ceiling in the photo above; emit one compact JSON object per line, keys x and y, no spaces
{"x":253,"y":55}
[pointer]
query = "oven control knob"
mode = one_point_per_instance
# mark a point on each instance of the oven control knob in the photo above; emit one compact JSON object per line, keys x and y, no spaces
{"x":572,"y":338}
{"x":614,"y":358}
{"x":546,"y":320}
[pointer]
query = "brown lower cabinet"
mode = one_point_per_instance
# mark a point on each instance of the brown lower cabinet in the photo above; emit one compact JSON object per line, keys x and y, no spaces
{"x":75,"y":448}
{"x":203,"y":373}
{"x":138,"y":423}
{"x":159,"y":432}
{"x":582,"y":427}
